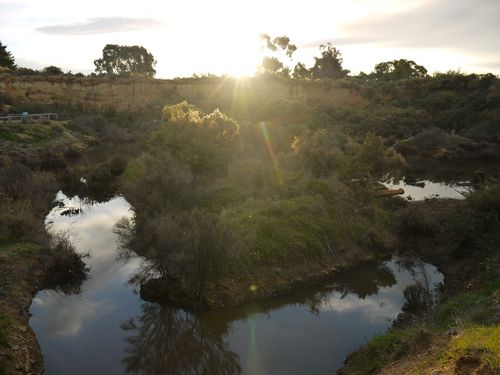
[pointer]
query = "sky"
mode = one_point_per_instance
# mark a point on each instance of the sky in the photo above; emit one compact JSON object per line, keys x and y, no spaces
{"x":222,"y":36}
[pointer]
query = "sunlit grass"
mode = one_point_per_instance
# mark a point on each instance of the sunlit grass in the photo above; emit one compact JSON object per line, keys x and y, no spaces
{"x":481,"y":340}
{"x":470,"y":313}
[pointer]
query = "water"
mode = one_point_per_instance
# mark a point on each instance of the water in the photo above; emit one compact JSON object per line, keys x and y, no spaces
{"x":108,"y":329}
{"x":429,"y":189}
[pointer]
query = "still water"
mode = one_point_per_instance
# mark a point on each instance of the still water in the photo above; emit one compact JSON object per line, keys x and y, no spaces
{"x":106,"y":328}
{"x":425,"y":189}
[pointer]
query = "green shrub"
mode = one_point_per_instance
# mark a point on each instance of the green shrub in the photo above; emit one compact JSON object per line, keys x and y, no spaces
{"x":204,"y":143}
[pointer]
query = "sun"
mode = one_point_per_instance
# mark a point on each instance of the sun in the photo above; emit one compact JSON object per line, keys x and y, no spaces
{"x":239,"y":61}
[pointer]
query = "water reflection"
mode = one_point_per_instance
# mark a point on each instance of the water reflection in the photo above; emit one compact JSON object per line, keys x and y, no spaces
{"x":177,"y":342}
{"x":309,"y":331}
{"x":80,"y":334}
{"x":365,"y":280}
{"x":108,"y":329}
{"x":291,"y":340}
{"x":424,"y":189}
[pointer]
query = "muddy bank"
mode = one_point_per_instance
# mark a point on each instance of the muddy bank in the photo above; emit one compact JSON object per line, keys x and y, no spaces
{"x":36,"y":159}
{"x":22,"y":271}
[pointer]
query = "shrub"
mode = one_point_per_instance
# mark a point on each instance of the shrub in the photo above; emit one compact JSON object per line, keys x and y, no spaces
{"x":66,"y":268}
{"x":52,"y":161}
{"x":326,"y":152}
{"x":15,"y":180}
{"x":117,"y":165}
{"x":414,"y":221}
{"x":156,"y":183}
{"x":418,"y":298}
{"x":205,"y":144}
{"x":193,"y":245}
{"x":477,"y":220}
{"x":88,"y":124}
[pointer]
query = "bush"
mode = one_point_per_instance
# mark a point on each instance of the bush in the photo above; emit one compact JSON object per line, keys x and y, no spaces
{"x":66,"y":269}
{"x":15,"y":180}
{"x":73,"y":152}
{"x":418,"y":298}
{"x":117,"y":165}
{"x":192,"y":245}
{"x":156,"y":183}
{"x":88,"y":124}
{"x":52,"y":71}
{"x":415,"y":221}
{"x":476,"y":222}
{"x":326,"y":152}
{"x":205,"y":144}
{"x":52,"y":161}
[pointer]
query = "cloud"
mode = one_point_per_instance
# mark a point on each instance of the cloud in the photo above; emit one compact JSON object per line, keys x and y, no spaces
{"x":57,"y":314}
{"x":102,"y":25}
{"x":457,"y":24}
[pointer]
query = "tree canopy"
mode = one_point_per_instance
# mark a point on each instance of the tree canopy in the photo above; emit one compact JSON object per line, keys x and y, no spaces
{"x":399,"y":69}
{"x":6,"y":58}
{"x":125,"y":60}
{"x":301,"y":72}
{"x":279,"y":43}
{"x":53,"y":70}
{"x":329,"y":64}
{"x":281,"y":48}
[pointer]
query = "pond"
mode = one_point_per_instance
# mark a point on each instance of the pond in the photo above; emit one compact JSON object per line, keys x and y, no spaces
{"x":106,"y":328}
{"x":424,"y":189}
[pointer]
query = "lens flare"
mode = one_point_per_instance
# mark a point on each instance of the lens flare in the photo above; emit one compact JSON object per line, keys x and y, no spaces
{"x":271,"y":152}
{"x":254,"y":363}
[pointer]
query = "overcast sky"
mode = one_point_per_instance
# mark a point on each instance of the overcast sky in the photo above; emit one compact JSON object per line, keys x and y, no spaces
{"x":222,"y":36}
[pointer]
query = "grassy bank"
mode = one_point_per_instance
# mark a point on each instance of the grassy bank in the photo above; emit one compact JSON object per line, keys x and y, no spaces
{"x":461,"y":335}
{"x":229,"y":213}
{"x":36,"y":159}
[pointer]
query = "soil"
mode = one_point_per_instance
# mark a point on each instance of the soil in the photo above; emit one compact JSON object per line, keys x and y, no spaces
{"x":22,"y":270}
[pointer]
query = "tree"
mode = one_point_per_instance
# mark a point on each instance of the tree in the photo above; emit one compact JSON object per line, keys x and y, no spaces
{"x":279,"y":45}
{"x":125,"y":60}
{"x":6,"y":58}
{"x":398,"y":69}
{"x":329,"y":64}
{"x":272,"y":66}
{"x":52,"y":71}
{"x":301,"y":72}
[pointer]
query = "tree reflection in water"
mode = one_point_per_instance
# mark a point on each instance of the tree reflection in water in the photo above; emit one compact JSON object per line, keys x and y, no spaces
{"x":172,"y":341}
{"x":364,"y":280}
